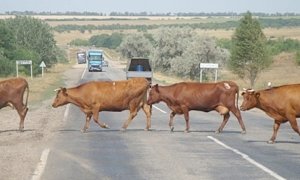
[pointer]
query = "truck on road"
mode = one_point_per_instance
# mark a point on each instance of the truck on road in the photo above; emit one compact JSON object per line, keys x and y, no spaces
{"x":139,"y":67}
{"x":95,"y":60}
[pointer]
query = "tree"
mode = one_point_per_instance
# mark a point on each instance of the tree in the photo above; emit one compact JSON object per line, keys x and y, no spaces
{"x":135,"y":45}
{"x":201,"y":49}
{"x":36,"y":36}
{"x":249,"y":54}
{"x":170,"y":44}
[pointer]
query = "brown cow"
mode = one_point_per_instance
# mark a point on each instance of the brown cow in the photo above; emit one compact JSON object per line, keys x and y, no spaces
{"x":185,"y":96}
{"x":12,"y":93}
{"x":96,"y":96}
{"x":280,"y":103}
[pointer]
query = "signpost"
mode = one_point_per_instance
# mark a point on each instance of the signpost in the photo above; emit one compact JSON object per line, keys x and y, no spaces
{"x":42,"y":65}
{"x":24,"y":62}
{"x":209,"y":66}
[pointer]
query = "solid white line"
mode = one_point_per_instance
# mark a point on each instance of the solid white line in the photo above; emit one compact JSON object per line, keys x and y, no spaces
{"x":41,"y":165}
{"x":245,"y":156}
{"x":160,"y":109}
{"x":82,"y":75}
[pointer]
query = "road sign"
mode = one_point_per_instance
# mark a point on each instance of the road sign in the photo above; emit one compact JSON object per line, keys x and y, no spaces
{"x":24,"y":62}
{"x":42,"y":65}
{"x":209,"y":65}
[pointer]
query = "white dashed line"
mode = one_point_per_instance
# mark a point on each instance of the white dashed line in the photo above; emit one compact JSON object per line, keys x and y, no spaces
{"x":245,"y":156}
{"x":66,"y":112}
{"x":160,"y":109}
{"x":41,"y":165}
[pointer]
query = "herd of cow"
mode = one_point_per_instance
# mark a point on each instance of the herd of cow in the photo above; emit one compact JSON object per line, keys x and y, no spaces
{"x":281,"y":103}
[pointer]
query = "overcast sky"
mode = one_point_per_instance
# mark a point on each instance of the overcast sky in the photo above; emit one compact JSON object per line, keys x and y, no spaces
{"x":152,"y":6}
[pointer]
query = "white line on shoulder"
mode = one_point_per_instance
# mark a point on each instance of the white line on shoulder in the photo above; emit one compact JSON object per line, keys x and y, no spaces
{"x":245,"y":156}
{"x":41,"y":165}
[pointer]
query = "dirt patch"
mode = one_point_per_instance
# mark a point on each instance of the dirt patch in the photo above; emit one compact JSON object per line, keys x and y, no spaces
{"x":21,"y":151}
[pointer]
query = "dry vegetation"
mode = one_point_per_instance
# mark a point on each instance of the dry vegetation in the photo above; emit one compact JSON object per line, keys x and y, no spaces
{"x":283,"y":70}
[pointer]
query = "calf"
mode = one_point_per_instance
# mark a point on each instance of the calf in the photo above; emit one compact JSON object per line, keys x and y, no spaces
{"x":185,"y":96}
{"x":96,"y":96}
{"x":12,"y":94}
{"x":280,"y":103}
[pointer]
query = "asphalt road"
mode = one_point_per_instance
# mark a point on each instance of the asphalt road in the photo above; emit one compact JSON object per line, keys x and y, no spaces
{"x":160,"y":154}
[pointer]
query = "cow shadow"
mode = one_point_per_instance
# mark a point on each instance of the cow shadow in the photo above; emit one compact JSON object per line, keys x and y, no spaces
{"x":16,"y":130}
{"x":100,"y":130}
{"x":150,"y":130}
{"x":276,"y":142}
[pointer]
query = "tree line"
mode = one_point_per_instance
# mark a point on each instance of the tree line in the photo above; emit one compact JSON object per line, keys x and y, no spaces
{"x":231,"y":24}
{"x":144,"y":13}
{"x":26,"y":38}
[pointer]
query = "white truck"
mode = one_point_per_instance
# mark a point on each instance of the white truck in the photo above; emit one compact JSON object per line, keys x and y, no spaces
{"x":139,"y":67}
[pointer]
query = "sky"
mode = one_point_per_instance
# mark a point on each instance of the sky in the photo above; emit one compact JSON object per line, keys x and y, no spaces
{"x":152,"y":6}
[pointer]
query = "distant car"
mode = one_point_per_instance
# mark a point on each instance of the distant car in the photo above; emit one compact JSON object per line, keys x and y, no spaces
{"x":81,"y":57}
{"x":105,"y":64}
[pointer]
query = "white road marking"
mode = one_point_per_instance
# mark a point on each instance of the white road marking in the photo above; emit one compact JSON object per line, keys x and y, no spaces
{"x":82,"y":75}
{"x":245,"y":156}
{"x":41,"y":165}
{"x":66,"y":112}
{"x":160,"y":109}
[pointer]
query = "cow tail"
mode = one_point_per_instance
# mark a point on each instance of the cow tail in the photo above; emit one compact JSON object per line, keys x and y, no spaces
{"x":237,"y":98}
{"x":27,"y":94}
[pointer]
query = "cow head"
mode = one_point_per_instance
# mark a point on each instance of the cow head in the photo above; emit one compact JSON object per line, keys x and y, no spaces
{"x":154,"y":95}
{"x":250,"y":99}
{"x":61,"y":97}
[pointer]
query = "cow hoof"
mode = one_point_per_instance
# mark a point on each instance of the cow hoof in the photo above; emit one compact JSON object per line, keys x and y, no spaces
{"x":122,"y":129}
{"x":83,"y":130}
{"x":146,"y":129}
{"x":105,"y":126}
{"x":217,"y":132}
{"x":172,"y":128}
{"x":186,"y":131}
{"x":271,"y":142}
{"x":243,"y":132}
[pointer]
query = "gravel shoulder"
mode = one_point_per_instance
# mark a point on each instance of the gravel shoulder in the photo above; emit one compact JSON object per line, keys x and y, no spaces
{"x":21,"y":151}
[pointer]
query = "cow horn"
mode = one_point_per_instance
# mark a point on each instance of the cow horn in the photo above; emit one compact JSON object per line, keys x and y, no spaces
{"x":56,"y":89}
{"x":244,"y":89}
{"x":250,"y":90}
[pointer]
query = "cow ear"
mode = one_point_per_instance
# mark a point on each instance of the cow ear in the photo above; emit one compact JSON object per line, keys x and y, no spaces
{"x":257,"y":95}
{"x":243,"y":93}
{"x":64,"y":91}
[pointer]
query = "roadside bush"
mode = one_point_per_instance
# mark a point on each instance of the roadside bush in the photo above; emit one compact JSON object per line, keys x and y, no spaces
{"x":7,"y":67}
{"x":281,"y":45}
{"x":80,"y":42}
{"x":298,"y":57}
{"x":104,"y":40}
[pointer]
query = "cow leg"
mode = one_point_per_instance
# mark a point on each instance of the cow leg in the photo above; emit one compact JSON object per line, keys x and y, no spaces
{"x":238,"y":115}
{"x":294,"y":124}
{"x":275,"y":131}
{"x":22,"y":111}
{"x":132,"y":114}
{"x":87,"y":122}
{"x":225,"y":120}
{"x":96,"y":119}
{"x":171,"y":121}
{"x":187,"y":121}
{"x":147,"y":109}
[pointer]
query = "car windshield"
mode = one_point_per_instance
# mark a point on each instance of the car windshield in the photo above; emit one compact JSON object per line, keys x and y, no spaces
{"x":95,"y":58}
